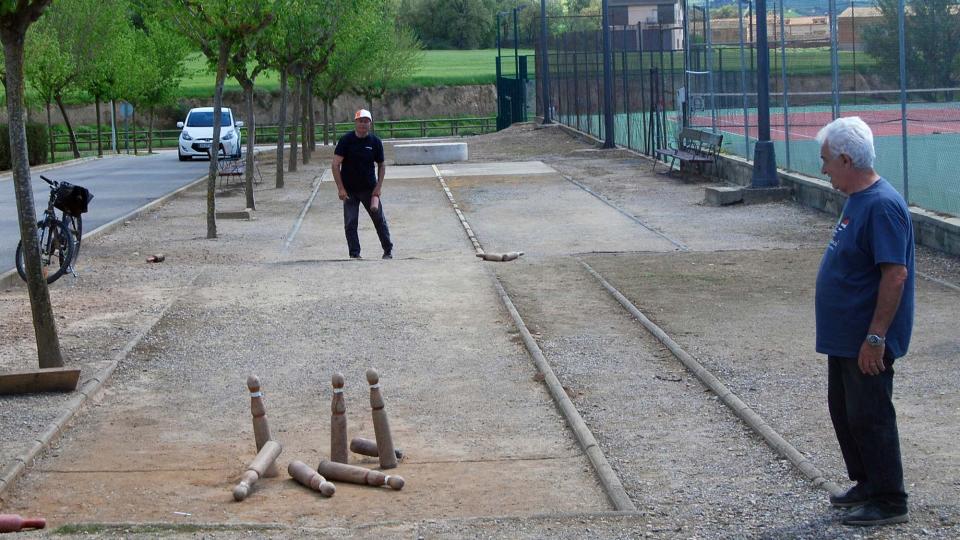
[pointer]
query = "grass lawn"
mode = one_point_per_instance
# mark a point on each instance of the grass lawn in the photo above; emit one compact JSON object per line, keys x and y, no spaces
{"x":439,"y":68}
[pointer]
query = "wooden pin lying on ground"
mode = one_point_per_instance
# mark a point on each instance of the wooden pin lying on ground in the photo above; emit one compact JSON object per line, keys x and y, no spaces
{"x":366,"y":447}
{"x":304,"y":475}
{"x":352,"y":474}
{"x":265,"y":458}
{"x":261,"y":429}
{"x":381,"y":425}
{"x":338,"y":421}
{"x":15,"y":523}
{"x":509,"y":256}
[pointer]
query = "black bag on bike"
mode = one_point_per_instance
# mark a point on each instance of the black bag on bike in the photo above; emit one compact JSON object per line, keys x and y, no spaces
{"x":72,"y":199}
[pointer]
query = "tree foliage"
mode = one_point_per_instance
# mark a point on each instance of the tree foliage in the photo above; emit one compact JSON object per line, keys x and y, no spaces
{"x":932,"y":30}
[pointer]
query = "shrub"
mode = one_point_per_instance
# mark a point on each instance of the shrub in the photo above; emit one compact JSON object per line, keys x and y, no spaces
{"x":38,"y":145}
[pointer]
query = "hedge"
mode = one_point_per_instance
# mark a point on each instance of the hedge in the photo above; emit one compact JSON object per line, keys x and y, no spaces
{"x":38,"y":145}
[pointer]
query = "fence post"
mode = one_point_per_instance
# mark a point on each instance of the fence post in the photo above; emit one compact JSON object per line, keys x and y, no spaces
{"x":901,"y":31}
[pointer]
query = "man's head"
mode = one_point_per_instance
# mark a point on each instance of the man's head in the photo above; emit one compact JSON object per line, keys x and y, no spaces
{"x":846,"y":153}
{"x":362,"y":120}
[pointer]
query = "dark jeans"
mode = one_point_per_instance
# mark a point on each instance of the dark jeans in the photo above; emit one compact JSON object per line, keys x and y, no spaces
{"x":861,"y":408}
{"x":351,"y":216}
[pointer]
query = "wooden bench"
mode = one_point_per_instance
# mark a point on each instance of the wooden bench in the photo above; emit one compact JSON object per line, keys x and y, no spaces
{"x":693,"y":146}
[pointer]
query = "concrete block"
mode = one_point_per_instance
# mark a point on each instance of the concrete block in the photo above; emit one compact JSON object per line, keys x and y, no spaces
{"x":765,"y":195}
{"x":429,"y":153}
{"x":723,"y":195}
{"x":246,"y":213}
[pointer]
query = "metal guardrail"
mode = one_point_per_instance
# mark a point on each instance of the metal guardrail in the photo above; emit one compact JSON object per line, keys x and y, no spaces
{"x":387,"y":129}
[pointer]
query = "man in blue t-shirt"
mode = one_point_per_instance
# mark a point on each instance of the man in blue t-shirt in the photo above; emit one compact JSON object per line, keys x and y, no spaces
{"x":357,"y":184}
{"x":864,"y":311}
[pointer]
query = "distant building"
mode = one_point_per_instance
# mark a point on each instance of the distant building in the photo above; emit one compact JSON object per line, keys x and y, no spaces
{"x":653,"y":24}
{"x":798,"y":30}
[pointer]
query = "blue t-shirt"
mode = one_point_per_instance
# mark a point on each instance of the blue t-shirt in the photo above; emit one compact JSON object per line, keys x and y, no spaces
{"x":359,"y":155}
{"x":874,"y":228}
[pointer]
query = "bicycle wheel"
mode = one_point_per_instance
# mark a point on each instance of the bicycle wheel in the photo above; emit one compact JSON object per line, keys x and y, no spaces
{"x":56,"y":250}
{"x":75,"y":223}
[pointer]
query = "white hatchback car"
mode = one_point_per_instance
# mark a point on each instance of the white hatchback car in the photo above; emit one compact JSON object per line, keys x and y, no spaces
{"x":197,"y":134}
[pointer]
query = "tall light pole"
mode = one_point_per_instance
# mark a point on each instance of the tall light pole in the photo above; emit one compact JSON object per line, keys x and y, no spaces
{"x":764,"y":158}
{"x":516,"y":40}
{"x":544,"y":64}
{"x":608,"y":122}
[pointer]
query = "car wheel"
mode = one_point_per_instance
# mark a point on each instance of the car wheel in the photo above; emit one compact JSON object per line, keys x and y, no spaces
{"x":182,"y":157}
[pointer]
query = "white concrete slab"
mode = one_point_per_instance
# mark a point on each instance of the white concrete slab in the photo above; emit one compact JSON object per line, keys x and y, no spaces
{"x":470,"y":169}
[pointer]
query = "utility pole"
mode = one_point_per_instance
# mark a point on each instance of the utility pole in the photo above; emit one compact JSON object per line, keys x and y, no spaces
{"x":764,"y":157}
{"x":608,"y":124}
{"x":545,"y":64}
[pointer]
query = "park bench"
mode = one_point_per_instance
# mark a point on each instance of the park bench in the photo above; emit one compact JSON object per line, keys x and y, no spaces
{"x":229,"y":167}
{"x":693,"y":146}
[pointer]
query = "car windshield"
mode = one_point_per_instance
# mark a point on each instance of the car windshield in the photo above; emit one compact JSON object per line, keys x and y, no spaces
{"x":205,"y":119}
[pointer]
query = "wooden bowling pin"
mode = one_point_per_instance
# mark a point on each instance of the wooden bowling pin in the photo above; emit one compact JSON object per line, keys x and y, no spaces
{"x":15,"y":523}
{"x":261,"y":429}
{"x":366,"y":447}
{"x":265,"y":458}
{"x":304,"y":475}
{"x":381,"y":425}
{"x":358,"y":475}
{"x":338,"y":421}
{"x":511,"y":255}
{"x":375,"y":203}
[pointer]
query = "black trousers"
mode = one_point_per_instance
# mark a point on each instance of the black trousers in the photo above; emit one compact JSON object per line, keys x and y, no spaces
{"x":351,"y":217}
{"x":861,"y":408}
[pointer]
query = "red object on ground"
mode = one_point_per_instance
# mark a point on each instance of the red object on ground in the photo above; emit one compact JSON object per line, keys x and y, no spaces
{"x":14,"y":523}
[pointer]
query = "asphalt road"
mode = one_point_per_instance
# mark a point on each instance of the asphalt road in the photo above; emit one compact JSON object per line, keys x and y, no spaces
{"x":119,"y":185}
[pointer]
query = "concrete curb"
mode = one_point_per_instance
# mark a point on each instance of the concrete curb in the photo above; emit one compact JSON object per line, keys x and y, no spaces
{"x":739,"y":408}
{"x":10,"y":277}
{"x":51,"y":166}
{"x":90,"y":389}
{"x":608,"y":477}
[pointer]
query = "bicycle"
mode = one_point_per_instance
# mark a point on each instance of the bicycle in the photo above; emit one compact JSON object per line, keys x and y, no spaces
{"x":59,"y":238}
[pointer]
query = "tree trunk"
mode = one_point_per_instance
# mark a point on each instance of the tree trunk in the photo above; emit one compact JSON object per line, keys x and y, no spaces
{"x":294,"y":118}
{"x":150,"y":132}
{"x":96,"y":101}
{"x":66,"y":120}
{"x":133,"y":122}
{"x":304,"y":122}
{"x":326,"y":123}
{"x":215,"y":140}
{"x":44,"y":324}
{"x":53,"y":150}
{"x":283,"y":126}
{"x":251,"y":143}
{"x":113,"y":126}
{"x":312,"y":115}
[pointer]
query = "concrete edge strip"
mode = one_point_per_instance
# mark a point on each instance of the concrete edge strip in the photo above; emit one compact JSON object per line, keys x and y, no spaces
{"x":608,"y":477}
{"x":731,"y":400}
{"x":52,"y":166}
{"x":87,"y":392}
{"x":303,"y":214}
{"x":7,"y":278}
{"x":678,"y":244}
{"x":939,"y":281}
{"x":456,"y":208}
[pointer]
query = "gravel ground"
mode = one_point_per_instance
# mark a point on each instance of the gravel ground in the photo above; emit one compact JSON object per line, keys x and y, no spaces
{"x":463,"y":389}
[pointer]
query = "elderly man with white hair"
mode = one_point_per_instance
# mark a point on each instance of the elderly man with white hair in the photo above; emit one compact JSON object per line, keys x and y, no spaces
{"x":864,"y":319}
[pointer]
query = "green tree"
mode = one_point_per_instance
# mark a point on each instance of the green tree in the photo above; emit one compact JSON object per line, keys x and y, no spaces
{"x":16,"y":16}
{"x":467,"y":24}
{"x":48,"y":68}
{"x":215,"y":27}
{"x":395,"y":55}
{"x":932,"y":39}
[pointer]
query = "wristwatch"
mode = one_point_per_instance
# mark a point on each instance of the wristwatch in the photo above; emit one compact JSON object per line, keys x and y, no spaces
{"x":875,"y":340}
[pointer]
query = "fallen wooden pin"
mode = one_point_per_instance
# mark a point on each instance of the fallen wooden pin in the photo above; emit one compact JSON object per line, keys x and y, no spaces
{"x":509,"y":256}
{"x":265,"y":458}
{"x":159,"y":257}
{"x":367,"y":447}
{"x":304,"y":475}
{"x":358,"y":475}
{"x":40,"y":380}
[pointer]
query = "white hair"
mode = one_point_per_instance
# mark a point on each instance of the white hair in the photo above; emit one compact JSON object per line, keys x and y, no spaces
{"x":850,"y":136}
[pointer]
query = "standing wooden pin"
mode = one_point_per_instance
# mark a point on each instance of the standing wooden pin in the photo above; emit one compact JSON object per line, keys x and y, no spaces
{"x":338,"y":422}
{"x":265,"y":459}
{"x":381,"y":426}
{"x":261,"y":429}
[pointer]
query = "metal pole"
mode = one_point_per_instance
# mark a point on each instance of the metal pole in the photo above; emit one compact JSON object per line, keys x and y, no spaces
{"x":764,"y":157}
{"x":743,"y":85}
{"x":783,"y":75}
{"x":901,"y":23}
{"x":686,"y":67}
{"x":834,"y":61}
{"x":608,"y":141}
{"x":708,"y":49}
{"x":498,"y":33}
{"x":545,"y":63}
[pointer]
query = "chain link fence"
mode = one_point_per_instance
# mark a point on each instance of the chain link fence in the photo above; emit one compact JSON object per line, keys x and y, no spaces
{"x":683,"y":65}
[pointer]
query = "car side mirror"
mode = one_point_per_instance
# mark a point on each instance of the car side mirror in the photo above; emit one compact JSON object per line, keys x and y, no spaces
{"x":238,"y":123}
{"x":180,"y":125}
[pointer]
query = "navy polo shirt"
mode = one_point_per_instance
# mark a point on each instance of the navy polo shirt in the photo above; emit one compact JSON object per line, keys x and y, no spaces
{"x":874,"y":228}
{"x":359,"y":156}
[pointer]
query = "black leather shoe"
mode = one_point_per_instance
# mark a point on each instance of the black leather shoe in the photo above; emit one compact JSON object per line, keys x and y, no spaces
{"x":355,"y":257}
{"x":387,"y":254}
{"x":854,"y":496}
{"x":876,"y":514}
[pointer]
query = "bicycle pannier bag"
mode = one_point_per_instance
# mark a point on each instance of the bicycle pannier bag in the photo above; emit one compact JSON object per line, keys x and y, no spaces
{"x":72,"y":199}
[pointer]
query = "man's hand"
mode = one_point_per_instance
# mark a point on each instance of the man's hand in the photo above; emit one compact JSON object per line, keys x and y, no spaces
{"x":342,"y":193}
{"x":376,"y":192}
{"x":871,"y":359}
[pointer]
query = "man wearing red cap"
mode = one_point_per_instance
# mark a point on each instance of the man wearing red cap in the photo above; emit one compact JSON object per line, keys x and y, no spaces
{"x":357,"y":183}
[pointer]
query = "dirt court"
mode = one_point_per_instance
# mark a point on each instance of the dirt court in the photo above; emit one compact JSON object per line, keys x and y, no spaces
{"x":489,"y":455}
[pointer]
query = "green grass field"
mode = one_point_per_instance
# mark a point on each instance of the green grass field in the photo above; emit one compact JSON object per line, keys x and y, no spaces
{"x":439,"y":68}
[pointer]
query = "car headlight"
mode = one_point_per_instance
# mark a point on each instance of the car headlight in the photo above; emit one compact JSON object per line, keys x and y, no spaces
{"x":227,"y":137}
{"x":186,"y":136}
